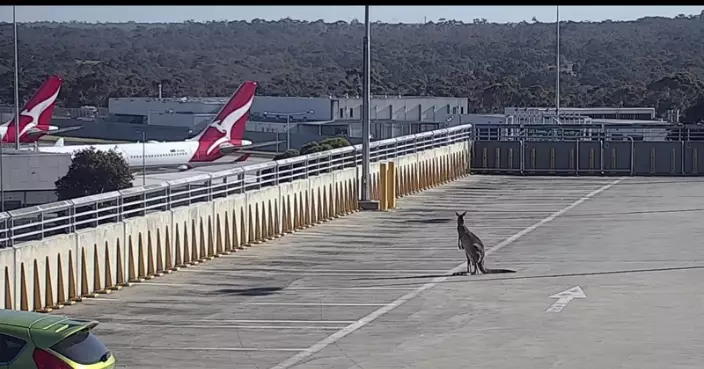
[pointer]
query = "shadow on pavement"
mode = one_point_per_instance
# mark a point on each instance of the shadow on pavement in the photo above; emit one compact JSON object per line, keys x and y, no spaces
{"x":256,"y":291}
{"x":471,"y":279}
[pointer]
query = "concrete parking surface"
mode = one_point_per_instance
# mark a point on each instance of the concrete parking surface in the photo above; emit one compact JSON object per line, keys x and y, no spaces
{"x":375,"y":290}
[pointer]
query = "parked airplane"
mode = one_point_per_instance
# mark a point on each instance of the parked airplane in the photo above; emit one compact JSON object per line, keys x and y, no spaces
{"x":35,"y":117}
{"x":220,"y":138}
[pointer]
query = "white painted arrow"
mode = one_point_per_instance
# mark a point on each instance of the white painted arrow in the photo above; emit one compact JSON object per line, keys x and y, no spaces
{"x":564,"y":298}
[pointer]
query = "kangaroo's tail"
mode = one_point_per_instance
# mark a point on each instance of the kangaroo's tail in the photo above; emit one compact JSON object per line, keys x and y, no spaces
{"x":493,"y":271}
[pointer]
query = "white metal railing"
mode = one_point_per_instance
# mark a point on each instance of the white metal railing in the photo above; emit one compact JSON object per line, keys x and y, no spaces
{"x":64,"y":217}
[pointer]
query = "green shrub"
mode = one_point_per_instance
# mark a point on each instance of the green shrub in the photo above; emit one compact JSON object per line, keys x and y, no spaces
{"x":287,"y":154}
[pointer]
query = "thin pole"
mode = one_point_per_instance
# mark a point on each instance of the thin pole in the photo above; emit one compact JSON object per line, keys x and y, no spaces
{"x":144,"y":158}
{"x":2,"y":179}
{"x":17,"y":85}
{"x":557,"y":69}
{"x":288,"y":131}
{"x":366,"y":107}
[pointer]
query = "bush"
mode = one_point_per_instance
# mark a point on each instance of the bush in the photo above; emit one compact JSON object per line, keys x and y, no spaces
{"x":335,"y":142}
{"x":287,"y":154}
{"x":324,"y":145}
{"x":314,"y":146}
{"x":93,"y":172}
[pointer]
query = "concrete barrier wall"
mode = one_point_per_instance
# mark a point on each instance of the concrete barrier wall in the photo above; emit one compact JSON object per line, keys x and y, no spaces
{"x":61,"y":270}
{"x":588,"y":157}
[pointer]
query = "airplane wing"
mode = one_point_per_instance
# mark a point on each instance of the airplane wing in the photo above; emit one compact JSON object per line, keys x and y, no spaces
{"x":38,"y":133}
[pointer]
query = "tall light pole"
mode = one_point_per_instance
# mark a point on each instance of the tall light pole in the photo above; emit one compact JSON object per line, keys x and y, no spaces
{"x":366,"y":109}
{"x":557,"y":69}
{"x":288,"y":125}
{"x":288,"y":132}
{"x":17,"y":85}
{"x":2,"y":179}
{"x":144,"y":158}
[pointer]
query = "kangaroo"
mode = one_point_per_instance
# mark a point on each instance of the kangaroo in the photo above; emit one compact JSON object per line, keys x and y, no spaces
{"x":473,"y":249}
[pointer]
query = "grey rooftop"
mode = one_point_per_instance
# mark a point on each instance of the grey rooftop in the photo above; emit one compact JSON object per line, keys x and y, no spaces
{"x":375,"y":290}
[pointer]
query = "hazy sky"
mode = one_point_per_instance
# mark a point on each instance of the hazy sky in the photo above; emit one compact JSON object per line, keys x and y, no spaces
{"x":406,"y":14}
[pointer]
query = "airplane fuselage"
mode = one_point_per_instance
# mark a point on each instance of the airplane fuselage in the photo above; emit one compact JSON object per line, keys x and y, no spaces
{"x":151,"y":154}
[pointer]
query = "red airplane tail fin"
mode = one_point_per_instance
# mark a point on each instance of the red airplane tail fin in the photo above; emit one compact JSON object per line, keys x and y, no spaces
{"x":37,"y":112}
{"x":238,"y":109}
{"x":230,"y":121}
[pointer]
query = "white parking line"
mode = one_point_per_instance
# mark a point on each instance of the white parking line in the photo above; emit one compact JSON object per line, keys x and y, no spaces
{"x":312,"y":350}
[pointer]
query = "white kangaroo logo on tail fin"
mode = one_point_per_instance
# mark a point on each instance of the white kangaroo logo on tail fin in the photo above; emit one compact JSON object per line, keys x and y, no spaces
{"x":225,"y":125}
{"x":36,"y":111}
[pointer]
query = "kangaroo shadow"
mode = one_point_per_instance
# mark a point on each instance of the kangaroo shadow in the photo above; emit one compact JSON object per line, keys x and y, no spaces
{"x":524,"y":277}
{"x":427,"y":221}
{"x":420,"y":276}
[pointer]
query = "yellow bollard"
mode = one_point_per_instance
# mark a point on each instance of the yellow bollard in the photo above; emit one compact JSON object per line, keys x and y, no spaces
{"x":383,"y":199}
{"x":392,"y":185}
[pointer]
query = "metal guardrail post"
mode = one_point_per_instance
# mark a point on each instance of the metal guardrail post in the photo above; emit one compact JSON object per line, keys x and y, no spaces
{"x":578,"y":158}
{"x":168,"y":197}
{"x":276,"y":174}
{"x":601,"y":156}
{"x":209,"y":190}
{"x":71,"y":219}
{"x":10,"y":234}
{"x":682,"y":157}
{"x":41,"y":220}
{"x":522,"y":144}
{"x":633,"y":155}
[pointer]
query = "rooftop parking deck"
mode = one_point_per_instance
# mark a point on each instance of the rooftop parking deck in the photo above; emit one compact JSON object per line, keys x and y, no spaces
{"x":376,"y":290}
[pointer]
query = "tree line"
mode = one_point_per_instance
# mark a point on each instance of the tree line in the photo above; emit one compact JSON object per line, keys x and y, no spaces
{"x":654,"y":61}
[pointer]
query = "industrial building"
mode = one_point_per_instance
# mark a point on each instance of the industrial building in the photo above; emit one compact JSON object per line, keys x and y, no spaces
{"x":594,"y":113}
{"x":301,"y":109}
{"x":631,"y":123}
{"x":28,"y":177}
{"x":320,"y":116}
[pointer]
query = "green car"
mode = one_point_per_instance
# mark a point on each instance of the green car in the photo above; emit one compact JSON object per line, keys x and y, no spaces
{"x":31,"y":340}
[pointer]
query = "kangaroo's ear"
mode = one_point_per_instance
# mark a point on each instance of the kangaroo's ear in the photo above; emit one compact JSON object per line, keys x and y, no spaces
{"x":458,"y":214}
{"x":464,"y":213}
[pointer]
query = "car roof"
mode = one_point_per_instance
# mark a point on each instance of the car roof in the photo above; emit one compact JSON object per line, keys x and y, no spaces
{"x":24,"y":319}
{"x":45,"y":329}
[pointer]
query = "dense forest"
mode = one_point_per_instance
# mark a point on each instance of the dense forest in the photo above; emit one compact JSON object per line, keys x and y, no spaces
{"x":654,"y":61}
